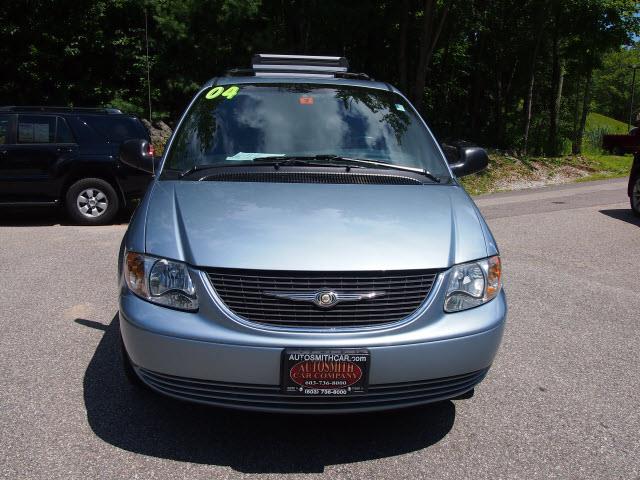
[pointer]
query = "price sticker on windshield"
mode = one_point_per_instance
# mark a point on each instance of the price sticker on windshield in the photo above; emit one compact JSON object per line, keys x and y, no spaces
{"x":223,"y":92}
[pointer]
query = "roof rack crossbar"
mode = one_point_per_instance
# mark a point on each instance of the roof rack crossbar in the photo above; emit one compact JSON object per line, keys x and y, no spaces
{"x":266,"y":60}
{"x":272,"y":65}
{"x":298,"y":64}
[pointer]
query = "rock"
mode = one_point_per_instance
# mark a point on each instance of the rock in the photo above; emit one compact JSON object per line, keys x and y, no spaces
{"x":159,"y":133}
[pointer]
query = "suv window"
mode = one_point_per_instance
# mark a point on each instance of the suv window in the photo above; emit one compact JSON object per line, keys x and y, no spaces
{"x":4,"y":128}
{"x":63,"y":133}
{"x":115,"y":129}
{"x":36,"y":129}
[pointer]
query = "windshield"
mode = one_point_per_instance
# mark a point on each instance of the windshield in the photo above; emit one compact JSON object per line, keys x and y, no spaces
{"x":231,"y":125}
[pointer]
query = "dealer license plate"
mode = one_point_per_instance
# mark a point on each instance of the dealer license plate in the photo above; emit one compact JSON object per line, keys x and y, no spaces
{"x":335,"y":372}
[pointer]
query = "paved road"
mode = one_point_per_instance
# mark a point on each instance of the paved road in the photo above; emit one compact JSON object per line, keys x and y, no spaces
{"x":562,"y":399}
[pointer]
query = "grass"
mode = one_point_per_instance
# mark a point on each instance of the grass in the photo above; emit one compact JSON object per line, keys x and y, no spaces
{"x":501,"y":168}
{"x":508,"y":172}
{"x":607,"y":166}
{"x":596,"y":120}
{"x":599,"y":125}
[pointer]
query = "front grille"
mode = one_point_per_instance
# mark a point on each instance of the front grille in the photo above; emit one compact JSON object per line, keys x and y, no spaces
{"x":270,"y":397}
{"x":243,"y":291}
{"x":313,"y":177}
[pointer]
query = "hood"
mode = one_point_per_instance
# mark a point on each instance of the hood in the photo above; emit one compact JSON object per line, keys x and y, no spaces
{"x":317,"y":227}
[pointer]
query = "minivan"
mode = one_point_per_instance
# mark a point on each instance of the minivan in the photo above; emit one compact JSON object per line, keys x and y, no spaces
{"x":306,"y":247}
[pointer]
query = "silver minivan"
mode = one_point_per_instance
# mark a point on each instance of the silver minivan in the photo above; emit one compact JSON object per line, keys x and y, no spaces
{"x":305,"y":246}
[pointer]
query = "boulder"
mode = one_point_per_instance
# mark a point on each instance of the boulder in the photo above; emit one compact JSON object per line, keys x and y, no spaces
{"x":159,"y":133}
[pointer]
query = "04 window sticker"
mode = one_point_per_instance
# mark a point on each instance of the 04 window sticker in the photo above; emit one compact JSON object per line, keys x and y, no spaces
{"x":228,"y":92}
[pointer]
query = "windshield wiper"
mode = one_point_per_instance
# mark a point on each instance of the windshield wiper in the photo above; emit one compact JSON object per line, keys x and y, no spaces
{"x":197,"y":168}
{"x":278,"y":161}
{"x":375,"y":163}
{"x":282,"y":160}
{"x":322,"y":160}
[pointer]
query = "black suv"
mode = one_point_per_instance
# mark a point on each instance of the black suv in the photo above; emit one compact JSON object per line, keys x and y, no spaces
{"x":70,"y":156}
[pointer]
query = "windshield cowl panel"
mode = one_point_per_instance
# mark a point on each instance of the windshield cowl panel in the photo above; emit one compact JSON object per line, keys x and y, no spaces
{"x":252,"y":123}
{"x":254,"y":171}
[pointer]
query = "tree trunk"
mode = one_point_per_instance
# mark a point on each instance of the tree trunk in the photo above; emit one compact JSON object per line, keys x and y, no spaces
{"x":504,"y":82}
{"x":586,"y":100}
{"x":427,"y":46}
{"x":498,"y":126}
{"x":528,"y":103}
{"x":576,"y":117}
{"x":425,"y":42}
{"x":528,"y":111}
{"x":553,"y":148}
{"x":402,"y":48}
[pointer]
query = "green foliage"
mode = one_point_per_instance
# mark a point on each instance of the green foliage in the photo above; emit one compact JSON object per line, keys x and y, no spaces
{"x":612,"y":83}
{"x":506,"y":172}
{"x":71,"y":53}
{"x":597,"y":120}
{"x":92,"y":52}
{"x":599,"y":125}
{"x":609,"y":166}
{"x":127,"y":106}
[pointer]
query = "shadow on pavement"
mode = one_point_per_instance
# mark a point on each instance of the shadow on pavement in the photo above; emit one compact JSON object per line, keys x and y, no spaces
{"x":149,"y":424}
{"x":624,"y":214}
{"x":32,"y":216}
{"x":44,"y":216}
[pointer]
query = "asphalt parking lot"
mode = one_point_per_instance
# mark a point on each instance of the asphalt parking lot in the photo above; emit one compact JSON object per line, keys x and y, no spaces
{"x":561,"y":401}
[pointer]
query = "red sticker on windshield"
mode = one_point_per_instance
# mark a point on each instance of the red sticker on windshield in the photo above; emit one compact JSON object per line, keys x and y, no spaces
{"x":306,"y":100}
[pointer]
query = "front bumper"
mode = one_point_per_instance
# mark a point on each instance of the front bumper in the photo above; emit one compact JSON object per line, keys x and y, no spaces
{"x":269,"y":397}
{"x":189,"y":356}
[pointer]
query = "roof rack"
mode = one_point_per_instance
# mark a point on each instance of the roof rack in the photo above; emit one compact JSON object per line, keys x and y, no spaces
{"x":14,"y":108}
{"x":270,"y":65}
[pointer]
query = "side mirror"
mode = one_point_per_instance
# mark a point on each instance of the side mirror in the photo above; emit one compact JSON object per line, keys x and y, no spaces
{"x":137,"y":153}
{"x":469,"y":160}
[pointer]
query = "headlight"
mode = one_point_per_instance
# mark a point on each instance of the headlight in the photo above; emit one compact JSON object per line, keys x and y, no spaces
{"x":472,"y":284}
{"x":160,"y":281}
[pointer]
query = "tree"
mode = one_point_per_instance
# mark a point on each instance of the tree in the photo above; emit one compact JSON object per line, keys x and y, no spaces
{"x":433,"y":20}
{"x":611,"y":82}
{"x":519,"y":75}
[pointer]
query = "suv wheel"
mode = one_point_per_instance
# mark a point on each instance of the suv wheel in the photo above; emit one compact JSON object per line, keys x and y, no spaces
{"x":92,"y":201}
{"x":635,"y":197}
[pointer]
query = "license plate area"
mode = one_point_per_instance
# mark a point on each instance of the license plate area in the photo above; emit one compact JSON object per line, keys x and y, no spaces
{"x":331,"y":372}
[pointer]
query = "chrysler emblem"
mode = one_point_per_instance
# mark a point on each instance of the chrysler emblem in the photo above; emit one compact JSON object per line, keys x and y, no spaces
{"x":323,"y":298}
